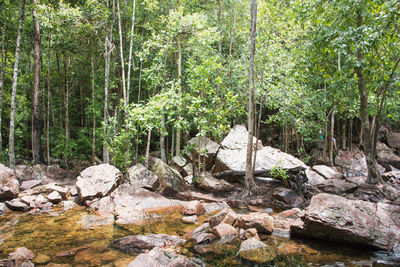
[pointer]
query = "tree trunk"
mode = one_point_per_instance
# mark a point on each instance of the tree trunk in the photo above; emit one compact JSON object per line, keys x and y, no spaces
{"x":130,"y":60}
{"x":2,"y":72}
{"x":147,"y":156}
{"x":66,"y":104}
{"x":138,"y":101}
{"x":344,"y":134}
{"x":332,"y":139}
{"x":93,"y":103}
{"x":14,"y":88}
{"x":162,"y":140}
{"x":249,"y":178}
{"x":351,"y":135}
{"x":48,"y":104}
{"x":179,"y":63}
{"x":121,"y":53}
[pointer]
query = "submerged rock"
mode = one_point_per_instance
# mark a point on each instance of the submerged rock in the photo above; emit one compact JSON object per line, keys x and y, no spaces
{"x":254,"y":250}
{"x":141,"y":243}
{"x":98,"y":181}
{"x":9,"y":185}
{"x":162,"y":258}
{"x":336,"y":218}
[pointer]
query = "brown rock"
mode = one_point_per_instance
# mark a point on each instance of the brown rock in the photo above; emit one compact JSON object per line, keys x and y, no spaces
{"x":20,"y":258}
{"x":337,"y":186}
{"x":190,"y":219}
{"x":193,"y":208}
{"x":25,"y":185}
{"x":287,"y":196}
{"x":393,"y":139}
{"x":250,"y":233}
{"x":9,"y":185}
{"x":261,"y":221}
{"x":226,"y":215}
{"x":225,"y":232}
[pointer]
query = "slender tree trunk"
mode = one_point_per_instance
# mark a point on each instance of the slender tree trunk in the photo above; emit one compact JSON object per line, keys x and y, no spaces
{"x":332,"y":139}
{"x":37,"y":152}
{"x":351,"y":135}
{"x":14,"y":88}
{"x":179,"y":65}
{"x":48,"y":103}
{"x":138,"y":101}
{"x":257,"y":135}
{"x":325,"y":147}
{"x":93,"y":103}
{"x":344,"y":141}
{"x":147,"y":156}
{"x":2,"y":72}
{"x":121,"y":53}
{"x":249,"y":178}
{"x":66,"y":103}
{"x":130,"y":60}
{"x":162,"y":140}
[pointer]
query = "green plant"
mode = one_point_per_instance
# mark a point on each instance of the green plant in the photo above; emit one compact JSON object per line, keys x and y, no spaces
{"x":278,"y":173}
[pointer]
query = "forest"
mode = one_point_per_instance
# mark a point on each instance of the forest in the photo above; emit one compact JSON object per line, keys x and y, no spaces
{"x":200,"y":133}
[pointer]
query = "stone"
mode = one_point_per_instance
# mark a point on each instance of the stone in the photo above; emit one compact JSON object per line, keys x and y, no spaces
{"x":210,"y":184}
{"x":254,"y":250}
{"x":237,"y":138}
{"x":337,"y":186}
{"x":190,"y":219}
{"x":93,"y":221}
{"x":169,"y":180}
{"x":313,"y":177}
{"x":140,"y":243}
{"x":3,"y":209}
{"x":25,"y":185}
{"x":16,"y":205}
{"x":260,"y":221}
{"x":41,"y":259}
{"x":9,"y":185}
{"x":60,"y":189}
{"x":287,"y":196}
{"x":179,"y":163}
{"x":103,"y":205}
{"x":393,"y":139}
{"x":284,"y":220}
{"x":68,"y":204}
{"x":353,"y":162}
{"x":71,"y":252}
{"x":326,"y":171}
{"x":193,"y":208}
{"x":140,"y":177}
{"x":332,"y":217}
{"x":226,"y":215}
{"x":251,"y":233}
{"x":204,"y":228}
{"x":386,"y":157}
{"x":207,"y":148}
{"x":20,"y":257}
{"x":225,"y":232}
{"x":98,"y":181}
{"x":162,"y":258}
{"x":54,"y":197}
{"x":28,"y":200}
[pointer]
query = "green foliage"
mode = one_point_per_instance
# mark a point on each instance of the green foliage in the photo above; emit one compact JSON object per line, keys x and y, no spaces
{"x":278,"y":173}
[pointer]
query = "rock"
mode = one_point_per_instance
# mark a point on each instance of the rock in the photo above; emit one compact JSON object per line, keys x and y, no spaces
{"x":287,"y":196}
{"x":93,"y":221}
{"x":71,"y":252}
{"x":3,"y":209}
{"x":28,"y":200}
{"x":261,"y":221}
{"x":17,"y":205}
{"x":140,"y":177}
{"x":251,"y":233}
{"x":386,"y":156}
{"x":206,"y":148}
{"x":254,"y":250}
{"x":169,"y":180}
{"x":331,"y":217}
{"x":41,"y":259}
{"x":326,"y":171}
{"x":162,"y":258}
{"x":393,"y":139}
{"x":204,"y":228}
{"x":193,"y":208}
{"x":20,"y":258}
{"x":25,"y":185}
{"x":313,"y":177}
{"x":190,"y":219}
{"x":9,"y":185}
{"x":210,"y":184}
{"x":284,"y":220}
{"x":337,"y":186}
{"x":60,"y":189}
{"x":353,"y":162}
{"x":237,"y":139}
{"x":376,"y":193}
{"x":227,"y":216}
{"x":225,"y":232}
{"x":98,"y":181}
{"x":181,"y":164}
{"x":104,"y":205}
{"x":54,"y":197}
{"x":68,"y":204}
{"x":44,"y":173}
{"x":140,"y":243}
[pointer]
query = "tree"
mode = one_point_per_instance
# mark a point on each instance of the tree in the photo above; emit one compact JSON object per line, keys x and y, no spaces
{"x":14,"y":88}
{"x":249,"y":178}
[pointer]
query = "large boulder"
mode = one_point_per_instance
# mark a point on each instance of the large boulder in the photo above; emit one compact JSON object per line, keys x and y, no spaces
{"x":9,"y":185}
{"x":208,"y":183}
{"x":254,"y":250}
{"x":44,"y":173}
{"x":331,"y":217}
{"x":141,"y":243}
{"x":98,"y":181}
{"x":353,"y":162}
{"x":21,"y":257}
{"x":206,"y":147}
{"x":386,"y":157}
{"x":169,"y":180}
{"x":326,"y":171}
{"x":393,"y":139}
{"x":313,"y":178}
{"x":337,"y":186}
{"x":261,"y":221}
{"x":140,"y":177}
{"x":161,"y":257}
{"x":237,"y":139}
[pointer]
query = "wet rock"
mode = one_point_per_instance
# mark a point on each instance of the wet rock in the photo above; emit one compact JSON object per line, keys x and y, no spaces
{"x":162,"y":257}
{"x":3,"y":209}
{"x":98,"y":181}
{"x":71,"y":252}
{"x":169,"y":180}
{"x":190,"y":219}
{"x":9,"y":185}
{"x":393,"y":139}
{"x":25,"y":185}
{"x":20,"y":258}
{"x":287,"y":196}
{"x":17,"y":205}
{"x":141,"y":243}
{"x":284,"y":220}
{"x":225,"y":232}
{"x":68,"y":204}
{"x":260,"y":221}
{"x":41,"y":259}
{"x":207,"y":148}
{"x":326,"y":171}
{"x":140,"y":176}
{"x":54,"y":197}
{"x":193,"y":208}
{"x":225,"y":216}
{"x":254,"y":250}
{"x":93,"y":221}
{"x":210,"y":184}
{"x":337,"y":186}
{"x":336,"y":218}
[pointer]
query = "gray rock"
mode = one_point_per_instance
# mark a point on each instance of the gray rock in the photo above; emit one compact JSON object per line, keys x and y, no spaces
{"x":207,"y":148}
{"x":3,"y":209}
{"x":9,"y":185}
{"x":208,"y":183}
{"x":254,"y":250}
{"x":169,"y":180}
{"x":140,"y":243}
{"x":386,"y":156}
{"x":25,"y":185}
{"x":16,"y":205}
{"x":393,"y":139}
{"x":98,"y":181}
{"x":54,"y":197}
{"x":313,"y":177}
{"x":337,"y":186}
{"x":190,"y":219}
{"x":140,"y":177}
{"x":326,"y":171}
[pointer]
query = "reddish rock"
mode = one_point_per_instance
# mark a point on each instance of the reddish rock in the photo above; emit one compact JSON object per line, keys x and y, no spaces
{"x":190,"y":219}
{"x":193,"y":208}
{"x":337,"y":186}
{"x":9,"y":185}
{"x":260,"y":221}
{"x":225,"y":232}
{"x":20,"y":257}
{"x":326,"y":171}
{"x":287,"y":196}
{"x":54,"y":197}
{"x":17,"y":205}
{"x":226,"y":215}
{"x":393,"y":139}
{"x":250,"y":233}
{"x":25,"y":185}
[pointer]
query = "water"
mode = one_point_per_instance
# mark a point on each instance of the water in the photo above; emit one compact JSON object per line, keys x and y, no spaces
{"x":49,"y":235}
